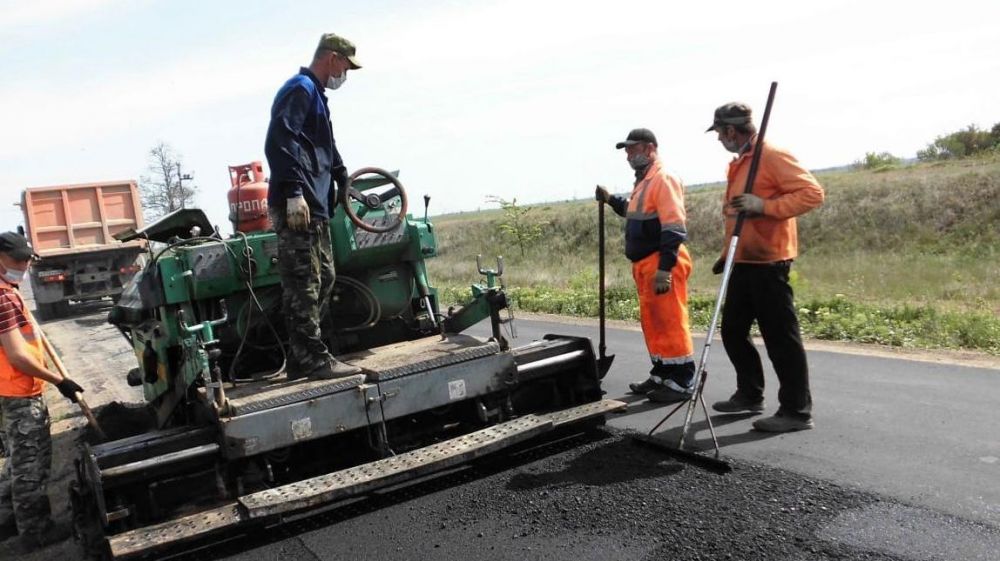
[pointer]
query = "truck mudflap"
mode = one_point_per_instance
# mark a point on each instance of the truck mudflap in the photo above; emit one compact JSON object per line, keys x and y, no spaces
{"x":269,"y":505}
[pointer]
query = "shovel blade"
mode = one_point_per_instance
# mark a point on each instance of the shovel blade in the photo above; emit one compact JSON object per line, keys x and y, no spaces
{"x":603,"y":365}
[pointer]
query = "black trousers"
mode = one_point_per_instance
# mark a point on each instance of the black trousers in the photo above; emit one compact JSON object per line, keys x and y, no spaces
{"x":762,"y":293}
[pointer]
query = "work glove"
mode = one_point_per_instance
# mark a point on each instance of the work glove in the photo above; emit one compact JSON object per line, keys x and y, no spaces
{"x":298,"y":214}
{"x":69,"y":389}
{"x":751,"y":204}
{"x":661,"y":282}
{"x":601,"y":194}
{"x":719,"y":265}
{"x":340,"y":180}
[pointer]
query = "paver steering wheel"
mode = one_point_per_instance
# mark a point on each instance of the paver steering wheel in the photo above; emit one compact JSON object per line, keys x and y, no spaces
{"x":375,"y":201}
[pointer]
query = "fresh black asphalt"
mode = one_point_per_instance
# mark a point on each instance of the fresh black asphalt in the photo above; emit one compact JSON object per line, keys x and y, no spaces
{"x":902,"y":466}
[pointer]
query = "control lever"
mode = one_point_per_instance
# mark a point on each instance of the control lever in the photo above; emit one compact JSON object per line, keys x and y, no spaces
{"x":491,"y":274}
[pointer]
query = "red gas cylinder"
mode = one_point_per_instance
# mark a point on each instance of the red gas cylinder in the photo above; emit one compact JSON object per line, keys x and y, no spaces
{"x":248,"y":198}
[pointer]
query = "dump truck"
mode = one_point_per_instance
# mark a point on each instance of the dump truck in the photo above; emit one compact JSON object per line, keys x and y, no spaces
{"x":72,"y":229}
{"x":231,"y":445}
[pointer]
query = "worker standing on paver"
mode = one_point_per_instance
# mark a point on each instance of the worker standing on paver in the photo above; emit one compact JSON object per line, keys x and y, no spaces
{"x":305,"y":164}
{"x":758,"y":287}
{"x":654,"y":241}
{"x":24,"y":503}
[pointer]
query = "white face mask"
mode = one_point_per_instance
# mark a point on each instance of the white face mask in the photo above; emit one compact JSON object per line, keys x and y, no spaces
{"x":334,"y":82}
{"x":14,"y":276}
{"x":731,"y":145}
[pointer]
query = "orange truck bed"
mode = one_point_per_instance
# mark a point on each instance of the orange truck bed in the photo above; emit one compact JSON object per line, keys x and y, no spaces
{"x":67,"y":219}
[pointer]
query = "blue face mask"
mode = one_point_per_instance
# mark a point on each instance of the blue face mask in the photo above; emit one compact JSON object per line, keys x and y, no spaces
{"x":14,"y":276}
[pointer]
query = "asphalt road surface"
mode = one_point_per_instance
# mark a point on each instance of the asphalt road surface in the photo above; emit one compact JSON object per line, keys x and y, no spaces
{"x":903,"y":464}
{"x":923,"y":432}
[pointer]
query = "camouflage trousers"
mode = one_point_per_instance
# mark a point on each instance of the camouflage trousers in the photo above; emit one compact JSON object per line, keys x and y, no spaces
{"x":25,"y":476}
{"x":305,"y":264}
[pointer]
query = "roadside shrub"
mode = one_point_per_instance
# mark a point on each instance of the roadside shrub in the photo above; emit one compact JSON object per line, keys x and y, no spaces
{"x":835,"y":319}
{"x":966,"y":142}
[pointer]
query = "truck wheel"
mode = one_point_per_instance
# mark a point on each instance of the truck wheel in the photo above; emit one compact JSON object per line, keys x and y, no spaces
{"x":60,"y":309}
{"x":43,"y":311}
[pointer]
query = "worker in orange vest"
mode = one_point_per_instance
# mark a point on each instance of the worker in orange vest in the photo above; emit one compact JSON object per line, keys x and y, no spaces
{"x":24,"y":502}
{"x":758,"y":287}
{"x":654,"y":241}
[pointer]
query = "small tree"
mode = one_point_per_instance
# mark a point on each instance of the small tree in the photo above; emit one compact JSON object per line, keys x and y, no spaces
{"x":880,"y":160}
{"x":164,"y":191}
{"x":516,"y":225}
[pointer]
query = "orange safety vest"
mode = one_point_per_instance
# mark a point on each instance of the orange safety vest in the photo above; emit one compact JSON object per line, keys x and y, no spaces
{"x":660,"y":195}
{"x":788,"y":190}
{"x":14,"y":383}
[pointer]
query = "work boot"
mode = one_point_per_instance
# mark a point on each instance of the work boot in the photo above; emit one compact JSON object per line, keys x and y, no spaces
{"x":670,"y":392}
{"x":738,"y":404}
{"x":783,"y":423}
{"x":663,"y":394}
{"x":334,"y":369}
{"x":33,"y":541}
{"x":644,"y":387}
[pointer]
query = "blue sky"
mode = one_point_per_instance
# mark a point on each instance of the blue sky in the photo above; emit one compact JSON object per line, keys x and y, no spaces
{"x":518,"y":99}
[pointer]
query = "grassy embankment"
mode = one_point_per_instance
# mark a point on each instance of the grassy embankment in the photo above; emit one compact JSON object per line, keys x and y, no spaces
{"x":904,"y":257}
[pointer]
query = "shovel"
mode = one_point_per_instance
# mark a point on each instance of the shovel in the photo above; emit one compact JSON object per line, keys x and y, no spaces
{"x":57,"y":362}
{"x":604,"y":360}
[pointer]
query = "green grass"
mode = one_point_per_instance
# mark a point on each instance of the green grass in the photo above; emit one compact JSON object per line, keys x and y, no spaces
{"x":906,"y":257}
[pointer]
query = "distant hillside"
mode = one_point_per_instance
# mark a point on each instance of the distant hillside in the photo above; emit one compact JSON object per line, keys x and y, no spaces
{"x":924,"y":233}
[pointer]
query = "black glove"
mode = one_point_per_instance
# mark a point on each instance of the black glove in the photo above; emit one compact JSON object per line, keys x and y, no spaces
{"x":718,"y":266}
{"x":69,"y":388}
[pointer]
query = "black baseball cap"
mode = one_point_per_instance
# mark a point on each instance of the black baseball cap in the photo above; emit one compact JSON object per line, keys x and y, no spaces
{"x":635,"y":136}
{"x":16,"y":246}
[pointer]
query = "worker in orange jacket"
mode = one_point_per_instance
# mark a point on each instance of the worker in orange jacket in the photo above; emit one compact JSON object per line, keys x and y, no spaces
{"x":758,"y":287}
{"x":24,"y":503}
{"x":654,"y":241}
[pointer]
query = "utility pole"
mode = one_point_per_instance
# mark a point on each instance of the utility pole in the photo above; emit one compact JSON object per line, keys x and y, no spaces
{"x":180,"y":182}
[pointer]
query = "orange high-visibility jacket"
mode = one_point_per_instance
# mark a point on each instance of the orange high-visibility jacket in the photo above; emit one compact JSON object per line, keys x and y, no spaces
{"x":788,"y":190}
{"x":655,"y":217}
{"x":14,"y":383}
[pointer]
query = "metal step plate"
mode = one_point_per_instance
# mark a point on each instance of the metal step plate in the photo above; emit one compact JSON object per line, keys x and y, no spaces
{"x":579,"y":413}
{"x":158,"y":536}
{"x":248,"y":398}
{"x":422,"y":461}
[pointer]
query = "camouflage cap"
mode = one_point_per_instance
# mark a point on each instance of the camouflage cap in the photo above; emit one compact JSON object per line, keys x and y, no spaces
{"x":16,"y":246}
{"x":337,"y":44}
{"x":734,"y":113}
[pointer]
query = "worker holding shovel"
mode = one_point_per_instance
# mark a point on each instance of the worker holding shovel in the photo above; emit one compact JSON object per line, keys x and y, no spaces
{"x":24,"y":504}
{"x":654,"y":241}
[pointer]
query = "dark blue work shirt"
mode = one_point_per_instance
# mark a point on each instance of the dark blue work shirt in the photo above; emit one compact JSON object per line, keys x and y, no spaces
{"x":300,"y":148}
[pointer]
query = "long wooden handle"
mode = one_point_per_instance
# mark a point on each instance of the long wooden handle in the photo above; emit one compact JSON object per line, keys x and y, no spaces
{"x":57,"y":362}
{"x":602,"y":347}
